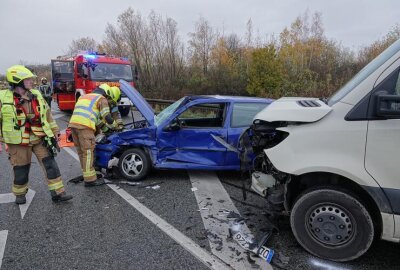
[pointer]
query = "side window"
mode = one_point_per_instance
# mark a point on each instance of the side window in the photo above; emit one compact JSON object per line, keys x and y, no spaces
{"x":206,"y":115}
{"x":243,"y":113}
{"x":389,"y":105}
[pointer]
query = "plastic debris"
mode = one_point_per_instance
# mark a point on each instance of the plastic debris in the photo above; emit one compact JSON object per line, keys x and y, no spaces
{"x":194,"y":188}
{"x":76,"y":180}
{"x":113,"y":162}
{"x":152,"y":185}
{"x":280,"y":260}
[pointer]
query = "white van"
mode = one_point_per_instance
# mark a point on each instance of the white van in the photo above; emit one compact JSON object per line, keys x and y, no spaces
{"x":335,"y":165}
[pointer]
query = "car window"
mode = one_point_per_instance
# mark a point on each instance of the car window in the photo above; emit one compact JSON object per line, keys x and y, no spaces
{"x":205,"y":115}
{"x":243,"y":113}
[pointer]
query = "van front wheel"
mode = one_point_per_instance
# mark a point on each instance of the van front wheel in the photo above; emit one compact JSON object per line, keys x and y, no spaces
{"x":332,"y":224}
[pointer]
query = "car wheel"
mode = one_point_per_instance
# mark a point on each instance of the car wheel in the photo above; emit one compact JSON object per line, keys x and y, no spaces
{"x":134,"y":164}
{"x":124,"y":110}
{"x":332,"y":224}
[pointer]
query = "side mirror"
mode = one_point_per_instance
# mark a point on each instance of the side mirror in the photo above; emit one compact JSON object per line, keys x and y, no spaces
{"x":388,"y":106}
{"x":173,"y":126}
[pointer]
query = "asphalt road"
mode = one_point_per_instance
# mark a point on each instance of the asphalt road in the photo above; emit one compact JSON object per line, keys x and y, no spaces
{"x":99,"y":229}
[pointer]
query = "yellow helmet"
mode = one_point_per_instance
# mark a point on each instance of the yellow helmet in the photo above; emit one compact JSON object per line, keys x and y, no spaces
{"x":105,"y":87}
{"x":115,"y":94}
{"x":18,"y":73}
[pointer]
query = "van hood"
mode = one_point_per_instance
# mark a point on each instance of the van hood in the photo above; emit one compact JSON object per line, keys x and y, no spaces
{"x":138,"y":100}
{"x":304,"y":110}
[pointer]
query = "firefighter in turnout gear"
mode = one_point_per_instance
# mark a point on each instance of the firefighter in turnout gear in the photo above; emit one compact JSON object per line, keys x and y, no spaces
{"x":90,"y":111}
{"x":27,"y":126}
{"x":45,"y":90}
{"x":113,"y":96}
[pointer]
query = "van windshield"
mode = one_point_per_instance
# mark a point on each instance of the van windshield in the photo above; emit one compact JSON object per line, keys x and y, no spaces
{"x":365,"y":72}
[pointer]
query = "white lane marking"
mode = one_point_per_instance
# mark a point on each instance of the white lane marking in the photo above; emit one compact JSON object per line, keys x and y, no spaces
{"x":24,"y":207}
{"x":3,"y":241}
{"x":204,"y":256}
{"x":7,"y":198}
{"x":201,"y":254}
{"x":212,"y":197}
{"x":71,"y":152}
{"x":57,"y":116}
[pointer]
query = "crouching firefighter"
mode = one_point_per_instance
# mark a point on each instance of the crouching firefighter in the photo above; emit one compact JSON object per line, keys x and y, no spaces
{"x":113,"y":97}
{"x":27,"y":126}
{"x":90,"y":111}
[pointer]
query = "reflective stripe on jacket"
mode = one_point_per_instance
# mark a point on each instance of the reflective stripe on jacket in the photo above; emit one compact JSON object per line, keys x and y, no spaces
{"x":86,"y":112}
{"x":11,"y":131}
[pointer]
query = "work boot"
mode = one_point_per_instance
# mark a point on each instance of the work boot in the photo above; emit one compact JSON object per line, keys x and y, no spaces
{"x":62,"y":197}
{"x":20,"y":199}
{"x":98,"y":182}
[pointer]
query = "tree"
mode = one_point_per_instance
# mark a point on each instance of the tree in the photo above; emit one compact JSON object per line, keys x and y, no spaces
{"x":82,"y":44}
{"x":200,"y":44}
{"x":366,"y":54}
{"x":265,"y":73}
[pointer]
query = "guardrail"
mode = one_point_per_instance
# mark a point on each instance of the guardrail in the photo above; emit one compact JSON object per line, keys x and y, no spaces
{"x":159,"y":104}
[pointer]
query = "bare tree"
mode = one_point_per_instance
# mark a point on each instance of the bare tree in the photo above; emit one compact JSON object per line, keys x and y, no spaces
{"x":82,"y":44}
{"x":200,"y":44}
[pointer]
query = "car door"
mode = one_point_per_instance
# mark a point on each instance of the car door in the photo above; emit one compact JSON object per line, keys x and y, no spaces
{"x":202,"y":125}
{"x":383,"y":140}
{"x":241,"y":117}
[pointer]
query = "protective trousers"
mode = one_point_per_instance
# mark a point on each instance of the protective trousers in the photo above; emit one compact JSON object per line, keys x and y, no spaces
{"x":84,"y":141}
{"x":20,"y":157}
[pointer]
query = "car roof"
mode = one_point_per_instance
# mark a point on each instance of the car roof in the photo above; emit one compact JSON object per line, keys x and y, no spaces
{"x":230,"y":98}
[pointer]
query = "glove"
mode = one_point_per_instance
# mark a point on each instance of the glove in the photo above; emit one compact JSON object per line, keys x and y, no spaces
{"x":99,"y":138}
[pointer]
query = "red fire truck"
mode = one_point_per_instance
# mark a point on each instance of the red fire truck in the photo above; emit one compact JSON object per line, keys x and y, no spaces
{"x":75,"y":76}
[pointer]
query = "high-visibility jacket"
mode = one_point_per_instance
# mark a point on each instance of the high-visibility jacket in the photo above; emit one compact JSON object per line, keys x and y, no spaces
{"x":15,"y":127}
{"x":86,"y":112}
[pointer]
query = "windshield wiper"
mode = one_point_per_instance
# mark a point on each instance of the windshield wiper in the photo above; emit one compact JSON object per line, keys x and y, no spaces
{"x":324,"y":100}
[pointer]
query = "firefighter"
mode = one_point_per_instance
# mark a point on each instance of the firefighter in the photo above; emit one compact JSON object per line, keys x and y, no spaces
{"x":90,"y":111}
{"x":27,"y":126}
{"x":113,"y":97}
{"x":46,"y":91}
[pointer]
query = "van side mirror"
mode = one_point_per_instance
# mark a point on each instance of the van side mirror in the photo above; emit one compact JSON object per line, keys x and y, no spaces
{"x":388,"y":106}
{"x":173,"y":126}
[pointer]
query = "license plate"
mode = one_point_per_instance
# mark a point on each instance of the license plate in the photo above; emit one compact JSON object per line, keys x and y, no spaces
{"x":262,"y":252}
{"x":266,"y":253}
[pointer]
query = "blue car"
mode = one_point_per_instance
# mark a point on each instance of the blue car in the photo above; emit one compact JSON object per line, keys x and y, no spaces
{"x":195,"y":132}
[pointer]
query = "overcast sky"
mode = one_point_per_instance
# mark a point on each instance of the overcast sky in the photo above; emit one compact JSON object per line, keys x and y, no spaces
{"x":35,"y":31}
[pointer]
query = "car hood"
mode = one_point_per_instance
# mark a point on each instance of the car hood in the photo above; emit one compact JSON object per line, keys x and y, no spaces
{"x":304,"y":110}
{"x":138,"y":100}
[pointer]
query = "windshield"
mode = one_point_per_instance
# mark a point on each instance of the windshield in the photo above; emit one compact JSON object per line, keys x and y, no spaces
{"x":365,"y":72}
{"x":167,"y":112}
{"x":111,"y":72}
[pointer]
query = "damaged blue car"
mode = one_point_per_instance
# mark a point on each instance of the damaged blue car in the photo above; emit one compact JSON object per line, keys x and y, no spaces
{"x":195,"y":132}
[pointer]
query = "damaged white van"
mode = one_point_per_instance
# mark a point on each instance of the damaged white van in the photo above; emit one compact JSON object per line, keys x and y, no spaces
{"x":334,"y":165}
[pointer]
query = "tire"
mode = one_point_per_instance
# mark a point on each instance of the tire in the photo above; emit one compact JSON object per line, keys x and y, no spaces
{"x":124,"y":110}
{"x":332,"y":224}
{"x":134,"y":164}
